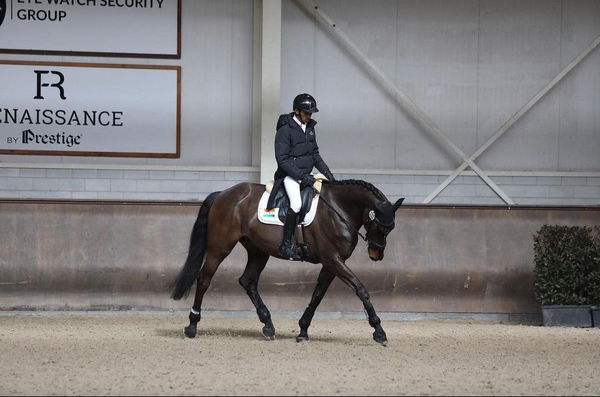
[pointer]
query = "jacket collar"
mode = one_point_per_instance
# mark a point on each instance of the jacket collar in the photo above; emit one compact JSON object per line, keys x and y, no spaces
{"x":311,"y":123}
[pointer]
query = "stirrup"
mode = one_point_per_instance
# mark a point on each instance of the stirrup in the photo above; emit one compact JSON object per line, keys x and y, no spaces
{"x":303,"y":250}
{"x":290,"y":252}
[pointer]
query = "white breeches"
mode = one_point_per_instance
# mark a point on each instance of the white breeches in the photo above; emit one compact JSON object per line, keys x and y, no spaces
{"x":292,"y":188}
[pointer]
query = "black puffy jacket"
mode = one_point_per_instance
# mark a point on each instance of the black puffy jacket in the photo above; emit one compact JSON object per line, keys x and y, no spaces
{"x":297,"y":152}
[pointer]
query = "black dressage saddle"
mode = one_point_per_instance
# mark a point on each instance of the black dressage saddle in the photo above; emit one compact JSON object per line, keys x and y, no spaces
{"x":282,"y":202}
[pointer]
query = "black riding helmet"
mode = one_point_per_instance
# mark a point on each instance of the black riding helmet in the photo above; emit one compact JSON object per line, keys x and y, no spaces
{"x":305,"y":102}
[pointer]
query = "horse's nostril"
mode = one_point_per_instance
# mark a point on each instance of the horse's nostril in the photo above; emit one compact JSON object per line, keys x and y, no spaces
{"x":375,"y":254}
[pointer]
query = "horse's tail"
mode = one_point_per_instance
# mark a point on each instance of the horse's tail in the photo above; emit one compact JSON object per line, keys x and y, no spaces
{"x":191,"y":269}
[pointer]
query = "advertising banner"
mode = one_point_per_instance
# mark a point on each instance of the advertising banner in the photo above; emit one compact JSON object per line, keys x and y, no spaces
{"x":130,"y":28}
{"x":89,"y":109}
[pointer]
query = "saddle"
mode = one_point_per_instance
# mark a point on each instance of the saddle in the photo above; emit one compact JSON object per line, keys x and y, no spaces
{"x":281,"y":203}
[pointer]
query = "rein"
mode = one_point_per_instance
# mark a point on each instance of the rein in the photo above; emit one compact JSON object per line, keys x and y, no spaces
{"x":344,"y":219}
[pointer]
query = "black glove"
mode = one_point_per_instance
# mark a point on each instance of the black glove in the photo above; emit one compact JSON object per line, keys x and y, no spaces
{"x":307,"y":180}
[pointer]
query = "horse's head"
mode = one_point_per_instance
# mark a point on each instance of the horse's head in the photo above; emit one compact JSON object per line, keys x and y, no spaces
{"x":380,"y":222}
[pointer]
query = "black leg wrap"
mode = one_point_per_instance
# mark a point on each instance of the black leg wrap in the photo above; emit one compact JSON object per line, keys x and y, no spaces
{"x":304,"y":323}
{"x":306,"y":318}
{"x":374,"y":321}
{"x":195,"y":318}
{"x":263,"y":314}
{"x":190,"y":330}
{"x":265,"y":317}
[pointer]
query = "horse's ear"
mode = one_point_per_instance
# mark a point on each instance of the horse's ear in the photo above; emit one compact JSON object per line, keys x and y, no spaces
{"x":398,"y":203}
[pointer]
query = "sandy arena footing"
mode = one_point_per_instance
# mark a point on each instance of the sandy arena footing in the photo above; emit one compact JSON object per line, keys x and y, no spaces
{"x":146,"y":354}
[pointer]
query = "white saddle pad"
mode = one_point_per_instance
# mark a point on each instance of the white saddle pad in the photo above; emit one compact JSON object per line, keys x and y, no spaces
{"x":271,"y":216}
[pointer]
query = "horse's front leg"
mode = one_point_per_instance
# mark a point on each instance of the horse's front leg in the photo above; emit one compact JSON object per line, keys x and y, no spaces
{"x":323,"y":282}
{"x":347,"y":276}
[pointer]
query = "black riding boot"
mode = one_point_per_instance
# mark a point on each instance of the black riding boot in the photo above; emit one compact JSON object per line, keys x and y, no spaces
{"x":286,"y":249}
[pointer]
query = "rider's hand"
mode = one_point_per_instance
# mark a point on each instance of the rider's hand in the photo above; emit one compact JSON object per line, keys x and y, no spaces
{"x":307,"y":180}
{"x":329,"y":176}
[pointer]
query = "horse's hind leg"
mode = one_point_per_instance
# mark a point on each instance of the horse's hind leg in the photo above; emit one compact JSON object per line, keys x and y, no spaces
{"x":214,"y":258}
{"x":249,"y":281}
{"x":323,"y":282}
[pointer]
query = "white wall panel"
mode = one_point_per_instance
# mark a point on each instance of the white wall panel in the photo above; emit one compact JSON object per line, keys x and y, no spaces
{"x":437,"y":68}
{"x":579,"y":140}
{"x":298,"y":33}
{"x":519,"y":55}
{"x":219,"y":57}
{"x":359,"y":117}
{"x":241,"y":89}
{"x":469,"y":64}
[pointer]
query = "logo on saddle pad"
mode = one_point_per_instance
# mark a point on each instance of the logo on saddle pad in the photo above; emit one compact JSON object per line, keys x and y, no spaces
{"x":269,"y":213}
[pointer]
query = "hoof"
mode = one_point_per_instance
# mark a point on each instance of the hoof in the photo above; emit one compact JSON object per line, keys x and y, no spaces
{"x":302,"y":338}
{"x":380,"y":338}
{"x":189,"y":331}
{"x":269,"y":333}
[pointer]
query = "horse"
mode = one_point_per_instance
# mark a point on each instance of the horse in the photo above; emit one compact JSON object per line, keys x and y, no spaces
{"x":230,"y":216}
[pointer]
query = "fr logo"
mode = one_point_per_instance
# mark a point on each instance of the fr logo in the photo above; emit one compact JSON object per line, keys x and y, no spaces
{"x":49,"y":75}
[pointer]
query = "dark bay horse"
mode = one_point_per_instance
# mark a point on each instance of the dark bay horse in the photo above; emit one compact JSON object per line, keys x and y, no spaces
{"x":228,"y":217}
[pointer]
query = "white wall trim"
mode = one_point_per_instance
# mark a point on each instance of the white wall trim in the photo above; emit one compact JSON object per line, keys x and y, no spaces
{"x":590,"y":174}
{"x":145,"y":167}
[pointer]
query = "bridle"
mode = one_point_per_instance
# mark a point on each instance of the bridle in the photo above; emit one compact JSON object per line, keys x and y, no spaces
{"x":384,"y":228}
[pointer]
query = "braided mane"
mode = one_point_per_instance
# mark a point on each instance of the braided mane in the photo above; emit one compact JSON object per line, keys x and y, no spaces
{"x":365,"y":185}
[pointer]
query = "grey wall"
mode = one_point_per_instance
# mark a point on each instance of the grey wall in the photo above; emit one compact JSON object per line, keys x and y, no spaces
{"x":469,"y":64}
{"x":127,"y":255}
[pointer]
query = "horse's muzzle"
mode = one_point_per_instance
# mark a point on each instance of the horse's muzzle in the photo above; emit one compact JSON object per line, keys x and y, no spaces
{"x":375,"y":254}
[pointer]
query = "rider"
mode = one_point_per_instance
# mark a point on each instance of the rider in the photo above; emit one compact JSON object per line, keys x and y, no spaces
{"x":296,"y":152}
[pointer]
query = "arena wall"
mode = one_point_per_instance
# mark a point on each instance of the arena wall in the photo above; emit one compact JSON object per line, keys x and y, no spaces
{"x":94,"y":255}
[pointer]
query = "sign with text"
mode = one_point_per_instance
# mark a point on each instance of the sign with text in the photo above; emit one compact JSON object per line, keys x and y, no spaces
{"x":132,"y":28}
{"x":89,"y":109}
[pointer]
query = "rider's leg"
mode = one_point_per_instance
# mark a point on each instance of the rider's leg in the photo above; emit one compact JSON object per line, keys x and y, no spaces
{"x":286,"y":249}
{"x":292,"y":188}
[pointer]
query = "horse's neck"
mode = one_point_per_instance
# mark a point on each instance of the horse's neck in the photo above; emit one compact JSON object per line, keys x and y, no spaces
{"x":353,"y":200}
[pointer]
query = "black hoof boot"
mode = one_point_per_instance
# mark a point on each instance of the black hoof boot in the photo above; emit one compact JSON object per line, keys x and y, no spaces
{"x":190,"y":330}
{"x":380,"y":337}
{"x":269,"y":333}
{"x":302,"y":338}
